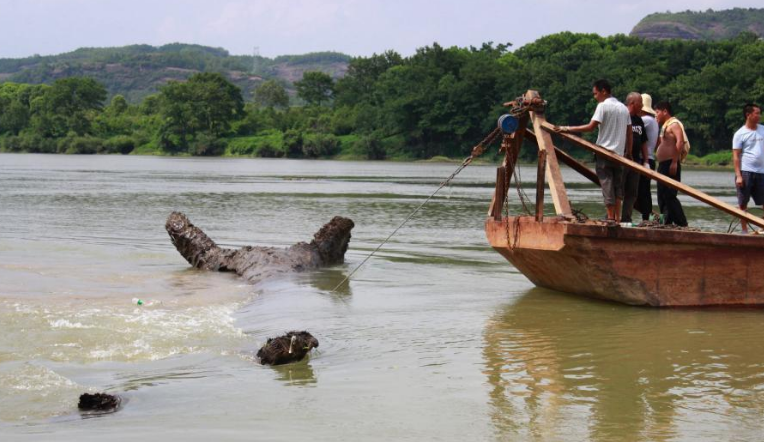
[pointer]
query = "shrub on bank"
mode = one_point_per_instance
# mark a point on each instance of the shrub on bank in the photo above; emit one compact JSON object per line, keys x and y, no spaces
{"x":207,"y":145}
{"x":122,"y":144}
{"x":369,"y":147}
{"x":320,"y":145}
{"x":75,"y":144}
{"x":25,"y":142}
{"x":292,"y":146}
{"x":267,"y":144}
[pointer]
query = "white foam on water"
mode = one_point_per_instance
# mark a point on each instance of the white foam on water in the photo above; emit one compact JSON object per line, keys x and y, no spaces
{"x":31,"y":391}
{"x":116,"y":332}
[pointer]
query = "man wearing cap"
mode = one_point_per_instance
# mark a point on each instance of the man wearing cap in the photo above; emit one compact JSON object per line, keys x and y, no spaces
{"x":748,"y":156}
{"x":612,"y":118}
{"x":644,"y":202}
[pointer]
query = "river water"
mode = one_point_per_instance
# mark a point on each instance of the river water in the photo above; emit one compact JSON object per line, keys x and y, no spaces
{"x":436,"y":337}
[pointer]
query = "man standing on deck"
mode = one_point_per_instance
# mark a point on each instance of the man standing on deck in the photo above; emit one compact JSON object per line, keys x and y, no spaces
{"x":612,"y":118}
{"x":644,"y":196}
{"x":638,"y":155}
{"x":668,"y":155}
{"x":748,"y":156}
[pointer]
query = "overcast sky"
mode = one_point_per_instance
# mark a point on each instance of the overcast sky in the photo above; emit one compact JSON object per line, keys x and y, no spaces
{"x":280,"y":27}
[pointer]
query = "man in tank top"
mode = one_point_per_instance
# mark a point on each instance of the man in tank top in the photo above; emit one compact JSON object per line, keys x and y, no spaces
{"x":668,"y":155}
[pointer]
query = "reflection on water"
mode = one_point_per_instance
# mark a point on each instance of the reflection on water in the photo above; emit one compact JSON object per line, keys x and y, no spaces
{"x":562,"y":367}
{"x":297,"y":374}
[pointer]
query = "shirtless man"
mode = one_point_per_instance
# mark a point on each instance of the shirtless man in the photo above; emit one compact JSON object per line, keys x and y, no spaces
{"x":668,"y":155}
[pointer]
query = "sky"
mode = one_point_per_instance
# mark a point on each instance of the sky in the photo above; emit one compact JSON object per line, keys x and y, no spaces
{"x":286,"y":27}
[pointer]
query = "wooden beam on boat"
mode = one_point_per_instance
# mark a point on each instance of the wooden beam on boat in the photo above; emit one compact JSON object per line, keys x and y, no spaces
{"x":540,"y":185}
{"x":571,"y":162}
{"x":500,"y":193}
{"x":663,"y":179}
{"x":511,"y":153}
{"x":544,"y":140}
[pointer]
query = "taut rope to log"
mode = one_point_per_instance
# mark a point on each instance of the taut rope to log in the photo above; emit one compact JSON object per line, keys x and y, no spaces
{"x":477,"y":150}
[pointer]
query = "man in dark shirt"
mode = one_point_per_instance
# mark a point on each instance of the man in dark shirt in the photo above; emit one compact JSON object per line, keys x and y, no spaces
{"x":638,"y":154}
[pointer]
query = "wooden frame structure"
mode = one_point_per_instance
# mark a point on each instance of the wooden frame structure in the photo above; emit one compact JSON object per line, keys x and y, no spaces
{"x":644,"y":266}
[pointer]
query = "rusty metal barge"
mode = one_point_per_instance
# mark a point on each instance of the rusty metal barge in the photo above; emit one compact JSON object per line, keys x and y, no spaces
{"x":637,"y":266}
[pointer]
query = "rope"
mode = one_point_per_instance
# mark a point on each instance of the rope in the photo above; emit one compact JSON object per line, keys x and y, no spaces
{"x":518,"y":107}
{"x":464,"y":164}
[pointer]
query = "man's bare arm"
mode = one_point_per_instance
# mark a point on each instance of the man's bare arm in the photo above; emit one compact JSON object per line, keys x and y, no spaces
{"x":736,"y":160}
{"x":677,"y":131}
{"x":583,"y":128}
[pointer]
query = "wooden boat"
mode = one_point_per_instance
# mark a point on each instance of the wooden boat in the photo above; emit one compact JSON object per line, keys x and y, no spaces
{"x":638,"y":266}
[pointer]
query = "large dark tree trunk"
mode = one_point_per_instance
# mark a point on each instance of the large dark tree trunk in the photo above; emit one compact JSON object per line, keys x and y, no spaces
{"x":255,"y":263}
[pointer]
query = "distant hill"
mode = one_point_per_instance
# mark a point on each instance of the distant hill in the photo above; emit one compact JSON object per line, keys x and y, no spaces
{"x":139,"y":70}
{"x":708,"y":25}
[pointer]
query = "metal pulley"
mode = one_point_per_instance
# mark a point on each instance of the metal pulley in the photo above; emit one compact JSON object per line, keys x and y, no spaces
{"x":508,"y":123}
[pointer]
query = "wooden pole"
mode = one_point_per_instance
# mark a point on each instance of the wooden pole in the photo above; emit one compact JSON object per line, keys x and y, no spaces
{"x":540,"y":185}
{"x":570,"y":162}
{"x":511,"y":153}
{"x":544,"y":140}
{"x":663,"y":179}
{"x":500,"y":193}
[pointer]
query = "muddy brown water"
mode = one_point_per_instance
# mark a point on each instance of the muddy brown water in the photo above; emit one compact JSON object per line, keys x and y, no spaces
{"x":436,"y":338}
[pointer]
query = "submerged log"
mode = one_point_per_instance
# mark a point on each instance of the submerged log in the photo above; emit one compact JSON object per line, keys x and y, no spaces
{"x":99,"y":402}
{"x":327,"y":248}
{"x":292,"y":347}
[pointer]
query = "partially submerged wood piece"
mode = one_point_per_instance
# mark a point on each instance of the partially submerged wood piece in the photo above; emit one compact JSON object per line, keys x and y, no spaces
{"x":291,"y":347}
{"x":554,"y":176}
{"x":327,"y":248}
{"x":663,"y":179}
{"x":570,"y":162}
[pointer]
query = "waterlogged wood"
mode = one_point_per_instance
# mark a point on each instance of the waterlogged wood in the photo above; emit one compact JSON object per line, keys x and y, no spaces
{"x":554,"y":176}
{"x":571,"y":162}
{"x":638,"y":266}
{"x":663,"y":179}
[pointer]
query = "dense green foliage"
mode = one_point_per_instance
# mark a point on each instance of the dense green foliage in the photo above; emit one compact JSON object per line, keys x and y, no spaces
{"x":139,"y":70}
{"x":708,"y":25}
{"x":439,"y":101}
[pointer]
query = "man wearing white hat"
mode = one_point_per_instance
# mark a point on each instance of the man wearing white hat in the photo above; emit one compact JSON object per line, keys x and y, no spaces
{"x":644,"y":202}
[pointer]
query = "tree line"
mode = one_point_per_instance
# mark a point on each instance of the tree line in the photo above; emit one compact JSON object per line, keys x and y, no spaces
{"x":438,"y":101}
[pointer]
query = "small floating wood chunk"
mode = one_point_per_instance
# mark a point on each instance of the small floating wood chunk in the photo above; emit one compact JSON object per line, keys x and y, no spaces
{"x":292,"y":347}
{"x":99,"y":402}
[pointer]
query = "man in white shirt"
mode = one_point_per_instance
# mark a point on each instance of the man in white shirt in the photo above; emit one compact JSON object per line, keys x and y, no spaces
{"x":614,"y":122}
{"x":748,"y":156}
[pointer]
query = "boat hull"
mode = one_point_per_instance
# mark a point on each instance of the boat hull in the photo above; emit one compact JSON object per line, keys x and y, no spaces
{"x":637,"y":266}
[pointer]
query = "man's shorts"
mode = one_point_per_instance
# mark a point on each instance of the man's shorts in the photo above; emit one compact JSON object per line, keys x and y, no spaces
{"x":611,"y":180}
{"x":753,"y":186}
